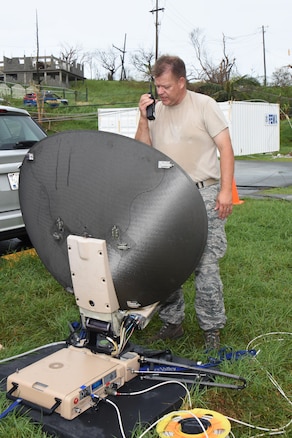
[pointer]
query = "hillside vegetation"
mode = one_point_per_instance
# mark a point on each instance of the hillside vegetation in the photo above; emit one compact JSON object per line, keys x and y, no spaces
{"x":86,"y":98}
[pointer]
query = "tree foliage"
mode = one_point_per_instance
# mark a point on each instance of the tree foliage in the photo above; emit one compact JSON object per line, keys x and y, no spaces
{"x":282,"y":77}
{"x":237,"y":88}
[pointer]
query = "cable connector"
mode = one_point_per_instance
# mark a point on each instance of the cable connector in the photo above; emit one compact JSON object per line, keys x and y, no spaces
{"x":133,"y":320}
{"x":111,"y":389}
{"x":95,"y":398}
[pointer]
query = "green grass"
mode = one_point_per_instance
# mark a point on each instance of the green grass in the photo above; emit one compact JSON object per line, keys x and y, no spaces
{"x":286,"y":137}
{"x":257,"y":277}
{"x":278,"y":191}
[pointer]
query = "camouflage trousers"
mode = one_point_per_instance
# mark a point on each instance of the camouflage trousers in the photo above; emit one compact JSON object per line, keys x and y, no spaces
{"x":209,"y":301}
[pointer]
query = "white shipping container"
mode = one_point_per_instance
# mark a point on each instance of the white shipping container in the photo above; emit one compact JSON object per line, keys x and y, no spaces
{"x":254,"y":126}
{"x":121,"y":121}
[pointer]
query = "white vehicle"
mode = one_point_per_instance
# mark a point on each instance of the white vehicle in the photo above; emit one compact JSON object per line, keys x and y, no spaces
{"x":18,"y":132}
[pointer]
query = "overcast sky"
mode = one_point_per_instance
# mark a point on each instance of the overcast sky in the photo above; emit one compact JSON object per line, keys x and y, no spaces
{"x":96,"y":24}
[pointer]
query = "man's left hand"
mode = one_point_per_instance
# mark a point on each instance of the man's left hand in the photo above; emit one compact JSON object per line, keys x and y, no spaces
{"x":224,"y":205}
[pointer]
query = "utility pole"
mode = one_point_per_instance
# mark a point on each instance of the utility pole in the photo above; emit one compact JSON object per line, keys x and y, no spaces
{"x":156,"y":10}
{"x":38,"y":48}
{"x":264,"y":53}
{"x":40,"y":102}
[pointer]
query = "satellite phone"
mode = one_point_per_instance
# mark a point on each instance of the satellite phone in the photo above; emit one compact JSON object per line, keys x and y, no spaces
{"x":151,"y":108}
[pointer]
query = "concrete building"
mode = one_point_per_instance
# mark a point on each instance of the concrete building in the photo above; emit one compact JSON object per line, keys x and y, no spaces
{"x":45,"y":70}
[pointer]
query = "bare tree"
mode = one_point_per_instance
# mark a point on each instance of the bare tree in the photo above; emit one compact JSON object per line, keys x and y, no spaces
{"x":108,"y":62}
{"x":71,"y":54}
{"x":282,"y":77}
{"x":217,"y":74}
{"x":87,"y":58}
{"x":143,"y":61}
{"x":92,"y":65}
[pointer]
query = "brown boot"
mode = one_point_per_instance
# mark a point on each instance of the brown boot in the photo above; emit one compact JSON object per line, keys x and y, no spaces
{"x":168,"y":331}
{"x":212,"y":339}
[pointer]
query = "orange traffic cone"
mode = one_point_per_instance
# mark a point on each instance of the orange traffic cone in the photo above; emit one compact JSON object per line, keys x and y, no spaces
{"x":235,"y":197}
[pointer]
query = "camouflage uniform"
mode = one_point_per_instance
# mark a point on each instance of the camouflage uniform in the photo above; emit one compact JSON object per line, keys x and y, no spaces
{"x":209,"y":303}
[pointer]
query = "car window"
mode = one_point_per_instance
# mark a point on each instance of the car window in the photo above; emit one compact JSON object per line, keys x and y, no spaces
{"x":17,"y":132}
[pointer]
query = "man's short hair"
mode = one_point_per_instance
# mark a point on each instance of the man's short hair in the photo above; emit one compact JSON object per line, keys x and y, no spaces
{"x":172,"y":63}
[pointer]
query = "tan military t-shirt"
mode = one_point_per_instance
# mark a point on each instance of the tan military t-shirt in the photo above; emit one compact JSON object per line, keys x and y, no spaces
{"x":185,"y":133}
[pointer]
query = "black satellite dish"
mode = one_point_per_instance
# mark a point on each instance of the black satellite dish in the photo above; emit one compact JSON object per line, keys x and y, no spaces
{"x":111,"y":187}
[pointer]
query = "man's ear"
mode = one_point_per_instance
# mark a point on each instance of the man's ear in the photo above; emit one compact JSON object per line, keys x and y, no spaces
{"x":182,"y":82}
